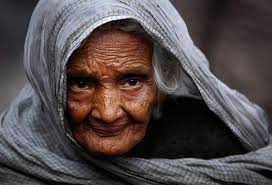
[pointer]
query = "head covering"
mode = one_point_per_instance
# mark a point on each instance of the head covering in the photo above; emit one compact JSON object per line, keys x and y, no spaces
{"x":33,"y":142}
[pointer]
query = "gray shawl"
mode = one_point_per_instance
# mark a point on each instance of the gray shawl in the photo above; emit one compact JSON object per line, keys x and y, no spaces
{"x":34,"y":147}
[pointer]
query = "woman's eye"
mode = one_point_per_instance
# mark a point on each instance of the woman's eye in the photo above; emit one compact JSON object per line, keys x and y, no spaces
{"x":133,"y":82}
{"x":80,"y":83}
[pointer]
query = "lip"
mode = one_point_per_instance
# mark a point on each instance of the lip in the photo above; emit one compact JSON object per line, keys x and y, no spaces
{"x":107,"y":130}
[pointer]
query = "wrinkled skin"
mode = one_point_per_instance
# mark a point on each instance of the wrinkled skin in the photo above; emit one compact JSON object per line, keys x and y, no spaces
{"x":111,"y":91}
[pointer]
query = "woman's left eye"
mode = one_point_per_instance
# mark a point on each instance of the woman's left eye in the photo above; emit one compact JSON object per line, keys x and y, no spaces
{"x":133,"y":82}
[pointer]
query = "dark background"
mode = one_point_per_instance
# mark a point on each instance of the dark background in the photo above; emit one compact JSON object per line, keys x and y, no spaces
{"x":235,"y":35}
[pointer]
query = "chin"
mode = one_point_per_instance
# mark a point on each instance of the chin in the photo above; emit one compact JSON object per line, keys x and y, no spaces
{"x":111,"y":147}
{"x":117,"y":152}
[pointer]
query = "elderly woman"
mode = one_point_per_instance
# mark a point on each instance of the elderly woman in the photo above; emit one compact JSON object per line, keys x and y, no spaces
{"x":119,"y":94}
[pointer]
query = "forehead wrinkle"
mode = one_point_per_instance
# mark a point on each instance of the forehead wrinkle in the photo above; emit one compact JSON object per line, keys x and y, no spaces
{"x":104,"y":56}
{"x":110,"y":41}
{"x":112,"y":52}
{"x":102,"y":61}
{"x":77,"y":64}
{"x":114,"y":58}
{"x":121,"y":64}
{"x":101,"y":52}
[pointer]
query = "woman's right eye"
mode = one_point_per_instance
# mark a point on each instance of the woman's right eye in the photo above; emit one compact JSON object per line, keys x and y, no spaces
{"x":80,"y":83}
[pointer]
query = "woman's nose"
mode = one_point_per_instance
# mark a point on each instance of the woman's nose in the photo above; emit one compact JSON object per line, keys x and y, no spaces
{"x":107,"y":107}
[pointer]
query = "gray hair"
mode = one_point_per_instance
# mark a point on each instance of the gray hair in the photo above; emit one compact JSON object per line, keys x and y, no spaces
{"x":167,"y":71}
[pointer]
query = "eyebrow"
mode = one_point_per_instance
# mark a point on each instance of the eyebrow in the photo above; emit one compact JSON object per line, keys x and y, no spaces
{"x":137,"y":69}
{"x":141,"y":70}
{"x":78,"y":72}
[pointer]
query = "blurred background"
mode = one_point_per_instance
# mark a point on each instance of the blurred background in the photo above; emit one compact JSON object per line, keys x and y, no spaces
{"x":235,"y":35}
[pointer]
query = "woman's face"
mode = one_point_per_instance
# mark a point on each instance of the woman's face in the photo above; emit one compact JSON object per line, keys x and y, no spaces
{"x":111,"y":91}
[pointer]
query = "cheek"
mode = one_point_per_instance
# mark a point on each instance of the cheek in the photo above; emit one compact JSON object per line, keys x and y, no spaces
{"x":78,"y":106}
{"x":139,"y":104}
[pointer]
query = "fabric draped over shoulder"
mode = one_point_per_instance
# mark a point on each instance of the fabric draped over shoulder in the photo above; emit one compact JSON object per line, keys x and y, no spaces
{"x":34,"y":148}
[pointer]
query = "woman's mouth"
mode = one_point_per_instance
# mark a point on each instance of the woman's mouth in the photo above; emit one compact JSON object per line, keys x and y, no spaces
{"x":110,"y":130}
